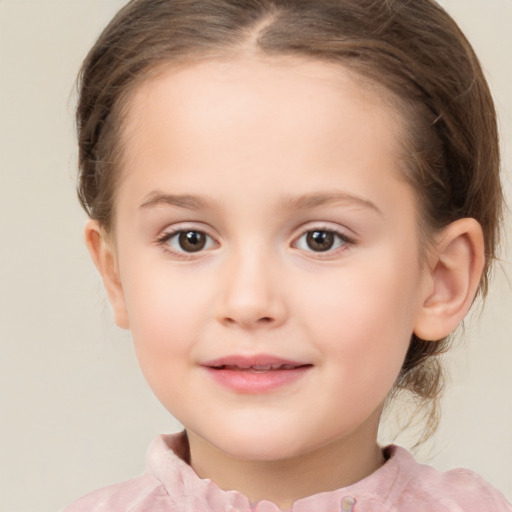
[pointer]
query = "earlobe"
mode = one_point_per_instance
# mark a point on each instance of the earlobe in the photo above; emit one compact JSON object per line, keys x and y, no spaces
{"x":456,"y":268}
{"x":103,"y":256}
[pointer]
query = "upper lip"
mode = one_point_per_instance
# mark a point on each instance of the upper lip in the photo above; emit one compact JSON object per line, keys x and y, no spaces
{"x":259,"y":362}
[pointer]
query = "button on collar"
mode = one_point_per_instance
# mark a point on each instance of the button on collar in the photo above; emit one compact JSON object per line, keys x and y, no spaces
{"x":347,"y":504}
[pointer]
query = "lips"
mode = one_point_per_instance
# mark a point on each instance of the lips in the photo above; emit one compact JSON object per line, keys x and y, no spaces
{"x":256,"y":367}
{"x":255,"y":374}
{"x":260,"y":362}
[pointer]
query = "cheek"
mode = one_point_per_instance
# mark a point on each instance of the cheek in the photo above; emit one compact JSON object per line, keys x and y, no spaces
{"x":165,"y":317}
{"x":365,"y":315}
{"x":164,"y":330}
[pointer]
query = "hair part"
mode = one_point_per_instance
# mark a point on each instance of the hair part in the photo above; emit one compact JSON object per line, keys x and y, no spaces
{"x":412,"y":49}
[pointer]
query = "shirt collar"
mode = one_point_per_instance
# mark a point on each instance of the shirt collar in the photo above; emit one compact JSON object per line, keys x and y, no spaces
{"x":167,"y":461}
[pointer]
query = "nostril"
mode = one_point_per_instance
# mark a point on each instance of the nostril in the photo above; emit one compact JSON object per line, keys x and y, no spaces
{"x":264,"y":320}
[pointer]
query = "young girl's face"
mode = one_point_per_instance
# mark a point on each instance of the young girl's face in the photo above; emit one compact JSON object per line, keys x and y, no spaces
{"x":268,"y":253}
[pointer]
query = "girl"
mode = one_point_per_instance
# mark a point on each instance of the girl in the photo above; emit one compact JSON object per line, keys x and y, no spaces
{"x":293,"y":205}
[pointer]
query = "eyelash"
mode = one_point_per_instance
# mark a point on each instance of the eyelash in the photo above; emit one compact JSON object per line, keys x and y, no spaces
{"x":168,"y":236}
{"x":342,"y":242}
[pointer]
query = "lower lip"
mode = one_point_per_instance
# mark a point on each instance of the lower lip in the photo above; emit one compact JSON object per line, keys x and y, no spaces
{"x":252,"y":382}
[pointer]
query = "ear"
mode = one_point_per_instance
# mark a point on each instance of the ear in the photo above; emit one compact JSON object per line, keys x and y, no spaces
{"x":455,"y":270}
{"x":103,"y":255}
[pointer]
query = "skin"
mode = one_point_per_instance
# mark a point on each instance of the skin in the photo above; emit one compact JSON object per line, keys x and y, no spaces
{"x":256,"y":153}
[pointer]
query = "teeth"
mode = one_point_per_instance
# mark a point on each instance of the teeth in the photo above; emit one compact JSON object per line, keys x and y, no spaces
{"x":257,"y":367}
{"x":263,"y":367}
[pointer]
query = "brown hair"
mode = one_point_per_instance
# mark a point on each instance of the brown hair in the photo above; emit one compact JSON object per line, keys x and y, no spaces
{"x":412,"y":48}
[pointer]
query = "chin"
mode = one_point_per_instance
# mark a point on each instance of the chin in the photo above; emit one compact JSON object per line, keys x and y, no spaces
{"x":260,"y":445}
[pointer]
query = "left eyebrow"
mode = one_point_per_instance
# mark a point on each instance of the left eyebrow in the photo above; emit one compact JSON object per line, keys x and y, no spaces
{"x":186,"y":201}
{"x":329,"y":198}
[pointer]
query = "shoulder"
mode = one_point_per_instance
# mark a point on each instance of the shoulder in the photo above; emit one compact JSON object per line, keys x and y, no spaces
{"x":425,"y":488}
{"x":136,"y":495}
{"x":157,"y":490}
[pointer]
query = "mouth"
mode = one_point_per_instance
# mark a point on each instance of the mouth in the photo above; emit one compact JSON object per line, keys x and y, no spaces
{"x":256,"y":363}
{"x":255,"y":374}
{"x":257,"y":368}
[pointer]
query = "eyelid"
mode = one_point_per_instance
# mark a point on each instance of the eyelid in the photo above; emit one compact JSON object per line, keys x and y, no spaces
{"x":333,"y":227}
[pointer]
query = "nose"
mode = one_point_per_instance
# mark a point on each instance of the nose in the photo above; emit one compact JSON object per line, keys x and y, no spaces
{"x":251,"y":293}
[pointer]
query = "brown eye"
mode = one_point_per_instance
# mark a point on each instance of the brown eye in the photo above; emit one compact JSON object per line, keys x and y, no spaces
{"x":320,"y":240}
{"x":192,"y":241}
{"x":187,"y":241}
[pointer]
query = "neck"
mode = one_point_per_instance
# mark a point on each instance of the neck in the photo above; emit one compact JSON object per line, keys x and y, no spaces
{"x":332,"y":466}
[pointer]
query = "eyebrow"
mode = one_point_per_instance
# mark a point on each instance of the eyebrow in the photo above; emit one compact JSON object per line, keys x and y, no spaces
{"x":302,"y":202}
{"x":317,"y":199}
{"x":186,"y":201}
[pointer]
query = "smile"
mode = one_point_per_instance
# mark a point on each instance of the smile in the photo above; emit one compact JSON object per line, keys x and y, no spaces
{"x":256,"y":368}
{"x":256,"y":374}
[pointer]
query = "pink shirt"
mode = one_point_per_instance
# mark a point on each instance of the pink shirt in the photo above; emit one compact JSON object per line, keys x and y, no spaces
{"x":400,"y":485}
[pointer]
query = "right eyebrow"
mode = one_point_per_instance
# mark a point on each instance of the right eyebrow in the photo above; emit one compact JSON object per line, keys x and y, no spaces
{"x":186,"y":201}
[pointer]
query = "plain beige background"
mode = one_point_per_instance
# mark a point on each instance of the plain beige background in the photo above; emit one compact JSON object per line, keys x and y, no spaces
{"x":75,"y":411}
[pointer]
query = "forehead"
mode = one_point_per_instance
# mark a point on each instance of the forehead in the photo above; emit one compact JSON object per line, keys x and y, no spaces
{"x":195,"y":104}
